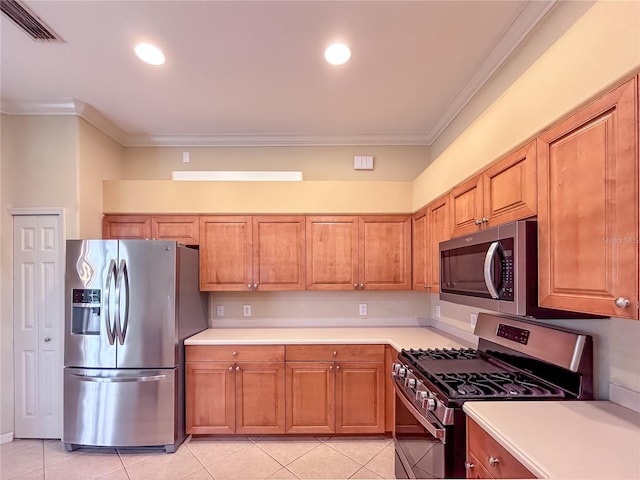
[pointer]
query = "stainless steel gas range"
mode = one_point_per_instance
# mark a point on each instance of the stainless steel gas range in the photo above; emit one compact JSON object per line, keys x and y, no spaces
{"x":515,"y":360}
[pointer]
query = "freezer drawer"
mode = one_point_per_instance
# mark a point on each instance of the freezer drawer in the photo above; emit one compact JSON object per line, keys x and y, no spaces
{"x":120,"y":408}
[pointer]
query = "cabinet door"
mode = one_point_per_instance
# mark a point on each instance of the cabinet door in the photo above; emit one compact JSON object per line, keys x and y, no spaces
{"x":278,"y":253}
{"x":210,"y":397}
{"x":359,"y":397}
{"x":588,"y":208}
{"x":260,"y":397}
{"x":420,"y":238}
{"x":310,"y":392}
{"x":132,"y":227}
{"x":332,"y":252}
{"x":226,"y":253}
{"x":181,"y":228}
{"x":466,"y":207}
{"x":510,"y":188}
{"x":384,"y":252}
{"x":438,"y":228}
{"x":482,"y":447}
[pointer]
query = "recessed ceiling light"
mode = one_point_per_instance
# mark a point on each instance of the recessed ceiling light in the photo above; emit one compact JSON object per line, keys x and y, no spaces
{"x":149,"y":54}
{"x":337,"y":54}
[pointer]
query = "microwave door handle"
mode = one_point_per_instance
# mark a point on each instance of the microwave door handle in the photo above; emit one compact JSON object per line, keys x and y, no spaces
{"x":111,"y":276}
{"x":488,"y":263}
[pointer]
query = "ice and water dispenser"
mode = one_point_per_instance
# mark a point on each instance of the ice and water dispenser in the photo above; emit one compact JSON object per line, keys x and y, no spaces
{"x":85,"y":317}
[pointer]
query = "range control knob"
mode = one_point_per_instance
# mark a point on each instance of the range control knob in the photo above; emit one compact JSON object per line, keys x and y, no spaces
{"x":421,"y":396}
{"x":430,"y":404}
{"x":402,"y":372}
{"x":410,"y":382}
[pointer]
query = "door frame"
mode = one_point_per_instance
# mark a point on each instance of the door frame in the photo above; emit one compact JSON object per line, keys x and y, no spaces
{"x":34,"y":211}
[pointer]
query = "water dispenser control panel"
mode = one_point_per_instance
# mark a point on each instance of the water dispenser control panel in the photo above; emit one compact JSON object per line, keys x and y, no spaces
{"x":85,"y":317}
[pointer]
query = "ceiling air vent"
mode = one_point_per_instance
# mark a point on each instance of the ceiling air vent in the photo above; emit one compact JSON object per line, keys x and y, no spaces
{"x":27,"y":21}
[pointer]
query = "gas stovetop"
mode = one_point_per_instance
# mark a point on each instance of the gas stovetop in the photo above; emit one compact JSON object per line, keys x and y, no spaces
{"x":468,"y":374}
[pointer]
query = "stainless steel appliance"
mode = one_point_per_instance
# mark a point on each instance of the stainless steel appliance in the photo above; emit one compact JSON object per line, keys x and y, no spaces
{"x":496,"y":269}
{"x":515,"y":359}
{"x":129,"y":305}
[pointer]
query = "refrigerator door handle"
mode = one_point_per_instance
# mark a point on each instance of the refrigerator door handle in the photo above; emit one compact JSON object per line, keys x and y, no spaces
{"x":123,"y":275}
{"x":98,"y":379}
{"x":111,"y":276}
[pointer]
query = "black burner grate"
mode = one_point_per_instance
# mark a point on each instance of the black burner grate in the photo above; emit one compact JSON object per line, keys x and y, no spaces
{"x":495,"y":385}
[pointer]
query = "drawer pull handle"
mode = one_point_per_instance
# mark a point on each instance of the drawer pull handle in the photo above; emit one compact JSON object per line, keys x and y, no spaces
{"x":494,"y":461}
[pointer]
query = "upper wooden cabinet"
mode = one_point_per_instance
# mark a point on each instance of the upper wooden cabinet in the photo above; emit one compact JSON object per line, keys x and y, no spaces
{"x":240,"y":253}
{"x":362,"y":253}
{"x":430,"y":227}
{"x":502,"y":193}
{"x":181,"y":228}
{"x":588,"y":208}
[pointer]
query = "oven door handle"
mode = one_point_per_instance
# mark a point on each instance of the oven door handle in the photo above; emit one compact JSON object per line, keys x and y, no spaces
{"x":435,"y":430}
{"x":488,"y":263}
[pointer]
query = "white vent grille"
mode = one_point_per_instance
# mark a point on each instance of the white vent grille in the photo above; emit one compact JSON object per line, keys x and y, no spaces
{"x":28,"y":22}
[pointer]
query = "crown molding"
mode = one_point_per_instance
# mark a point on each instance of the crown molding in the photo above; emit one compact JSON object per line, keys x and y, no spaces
{"x":64,"y":106}
{"x":272,"y":140}
{"x":530,"y":15}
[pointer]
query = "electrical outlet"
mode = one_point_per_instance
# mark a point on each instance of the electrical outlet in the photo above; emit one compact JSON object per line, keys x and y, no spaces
{"x":246,"y":310}
{"x":362,"y":309}
{"x":473,"y":319}
{"x":437,"y":311}
{"x":219,"y":310}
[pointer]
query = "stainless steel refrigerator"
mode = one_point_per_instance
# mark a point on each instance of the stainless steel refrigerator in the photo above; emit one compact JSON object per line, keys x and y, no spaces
{"x":129,"y":306}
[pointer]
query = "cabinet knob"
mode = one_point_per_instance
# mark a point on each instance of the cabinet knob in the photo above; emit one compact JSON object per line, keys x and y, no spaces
{"x":231,"y":369}
{"x":468,"y":465}
{"x":478,"y":222}
{"x":493,"y":461}
{"x":335,"y":353}
{"x":485,"y":220}
{"x":622,"y":302}
{"x":426,"y":286}
{"x":330,"y":367}
{"x":234,"y":353}
{"x":237,"y":369}
{"x":47,"y":340}
{"x":355,"y":285}
{"x":249,"y":286}
{"x":255,"y":286}
{"x":337,"y":367}
{"x":361,"y":286}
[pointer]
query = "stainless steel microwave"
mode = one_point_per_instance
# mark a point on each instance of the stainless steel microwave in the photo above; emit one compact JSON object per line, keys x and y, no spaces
{"x":496,"y":269}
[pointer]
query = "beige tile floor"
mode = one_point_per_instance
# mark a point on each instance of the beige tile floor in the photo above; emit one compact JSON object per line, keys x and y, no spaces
{"x":217,"y":458}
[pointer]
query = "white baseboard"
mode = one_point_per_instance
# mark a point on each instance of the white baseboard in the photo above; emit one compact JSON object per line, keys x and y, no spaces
{"x":6,"y":438}
{"x":625,"y":397}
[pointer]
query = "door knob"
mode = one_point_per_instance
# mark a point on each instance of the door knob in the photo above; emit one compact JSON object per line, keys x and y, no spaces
{"x":47,"y":340}
{"x":622,"y":302}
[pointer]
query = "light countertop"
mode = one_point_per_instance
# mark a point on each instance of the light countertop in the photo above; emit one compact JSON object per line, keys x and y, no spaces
{"x":399,"y":338}
{"x":565,"y":439}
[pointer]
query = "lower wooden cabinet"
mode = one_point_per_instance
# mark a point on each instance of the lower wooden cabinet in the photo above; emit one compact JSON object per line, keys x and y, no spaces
{"x":226,"y":397}
{"x":335,"y":389}
{"x":486,"y":458}
{"x":250,"y":389}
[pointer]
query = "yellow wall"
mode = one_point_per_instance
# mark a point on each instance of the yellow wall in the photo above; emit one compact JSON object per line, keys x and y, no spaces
{"x":99,"y":158}
{"x":602,"y":47}
{"x":256,"y":197}
{"x":391,"y":163}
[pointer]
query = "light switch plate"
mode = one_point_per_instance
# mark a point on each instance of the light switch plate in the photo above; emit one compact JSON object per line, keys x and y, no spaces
{"x":219,"y":310}
{"x":246,"y":310}
{"x":362,"y":309}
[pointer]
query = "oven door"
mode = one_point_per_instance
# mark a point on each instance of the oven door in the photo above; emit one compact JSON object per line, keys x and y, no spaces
{"x":421,"y":445}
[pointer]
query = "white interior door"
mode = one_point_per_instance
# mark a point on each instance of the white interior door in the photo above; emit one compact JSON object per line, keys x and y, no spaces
{"x":38,"y":293}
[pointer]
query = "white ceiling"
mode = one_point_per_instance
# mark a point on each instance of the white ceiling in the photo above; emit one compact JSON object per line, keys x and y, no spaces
{"x":241,"y":72}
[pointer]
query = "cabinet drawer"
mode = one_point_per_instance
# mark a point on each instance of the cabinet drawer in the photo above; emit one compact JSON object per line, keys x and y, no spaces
{"x":483,"y":446}
{"x":241,"y":353}
{"x":354,"y":353}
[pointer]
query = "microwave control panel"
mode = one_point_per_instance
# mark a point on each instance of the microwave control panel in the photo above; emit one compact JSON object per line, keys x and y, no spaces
{"x":506,"y":261}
